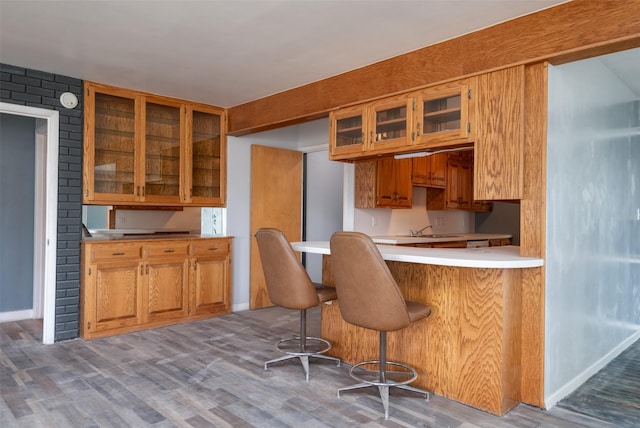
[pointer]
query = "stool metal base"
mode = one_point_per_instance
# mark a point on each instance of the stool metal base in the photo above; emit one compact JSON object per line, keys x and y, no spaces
{"x":383,"y":379}
{"x":303,"y":350}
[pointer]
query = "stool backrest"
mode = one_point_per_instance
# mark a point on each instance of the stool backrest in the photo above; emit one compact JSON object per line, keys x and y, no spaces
{"x":368,"y":295}
{"x":288,"y":283}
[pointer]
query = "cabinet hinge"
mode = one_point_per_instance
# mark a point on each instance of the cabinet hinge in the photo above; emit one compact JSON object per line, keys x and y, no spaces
{"x":469,"y":94}
{"x":89,"y":271}
{"x":468,"y":126}
{"x":141,"y":270}
{"x":414,"y":105}
{"x":89,"y":326}
{"x":87,"y":91}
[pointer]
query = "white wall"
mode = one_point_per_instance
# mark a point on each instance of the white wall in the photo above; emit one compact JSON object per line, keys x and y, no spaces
{"x":593,"y":223}
{"x":387,"y":221}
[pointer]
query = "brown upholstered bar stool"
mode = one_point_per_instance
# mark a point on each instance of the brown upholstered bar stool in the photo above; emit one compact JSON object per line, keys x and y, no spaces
{"x":369,"y":297}
{"x":289,"y":286}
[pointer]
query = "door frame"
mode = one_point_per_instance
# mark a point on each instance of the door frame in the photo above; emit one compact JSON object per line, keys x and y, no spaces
{"x":45,"y":216}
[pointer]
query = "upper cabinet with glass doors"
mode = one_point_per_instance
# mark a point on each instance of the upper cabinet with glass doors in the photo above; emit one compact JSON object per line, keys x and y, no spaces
{"x":141,"y":149}
{"x":434,"y":117}
{"x":369,"y":129}
{"x":443,"y":115}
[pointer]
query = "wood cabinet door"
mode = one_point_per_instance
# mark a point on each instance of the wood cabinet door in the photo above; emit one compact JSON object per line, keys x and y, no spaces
{"x":161,"y":142}
{"x":438,"y":168}
{"x":394,"y":189}
{"x":443,"y":114}
{"x":390,"y":122}
{"x":205,"y":154}
{"x":499,"y":135}
{"x":111,"y":151}
{"x":347,"y":129}
{"x":114,"y":295}
{"x":166,"y":289}
{"x":210,"y":285}
{"x":421,"y":171}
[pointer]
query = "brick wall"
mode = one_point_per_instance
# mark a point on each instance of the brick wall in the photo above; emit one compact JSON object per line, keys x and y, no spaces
{"x":39,"y":89}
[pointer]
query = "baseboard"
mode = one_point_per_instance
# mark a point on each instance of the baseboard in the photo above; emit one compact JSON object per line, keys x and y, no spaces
{"x":240,"y":307}
{"x":577,"y":381}
{"x":25,"y":314}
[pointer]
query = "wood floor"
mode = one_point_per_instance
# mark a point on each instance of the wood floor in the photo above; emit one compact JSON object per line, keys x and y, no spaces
{"x":210,"y":374}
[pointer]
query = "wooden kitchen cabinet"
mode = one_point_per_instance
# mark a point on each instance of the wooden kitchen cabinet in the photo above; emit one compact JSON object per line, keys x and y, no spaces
{"x":430,"y":171}
{"x":444,"y":114}
{"x":133,"y":285}
{"x":166,"y":280}
{"x":205,"y":157}
{"x":499,"y":135}
{"x":367,"y":130}
{"x":384,"y":183}
{"x":211,"y":277}
{"x":141,"y":149}
{"x":112,"y":290}
{"x":458,"y":192}
{"x":459,"y":183}
{"x":347,"y":132}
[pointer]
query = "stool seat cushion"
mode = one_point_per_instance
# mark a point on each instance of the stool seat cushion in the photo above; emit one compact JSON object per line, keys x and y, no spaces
{"x":417,"y":310}
{"x":325,"y":293}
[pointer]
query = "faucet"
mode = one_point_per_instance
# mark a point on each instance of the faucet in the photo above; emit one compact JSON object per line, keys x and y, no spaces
{"x":416,"y":233}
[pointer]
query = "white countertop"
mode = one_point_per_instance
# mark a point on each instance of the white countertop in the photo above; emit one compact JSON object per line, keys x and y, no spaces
{"x":505,"y":257}
{"x":446,"y":237}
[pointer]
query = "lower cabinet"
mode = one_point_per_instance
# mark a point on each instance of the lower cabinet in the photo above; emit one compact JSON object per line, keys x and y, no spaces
{"x":134,"y":285}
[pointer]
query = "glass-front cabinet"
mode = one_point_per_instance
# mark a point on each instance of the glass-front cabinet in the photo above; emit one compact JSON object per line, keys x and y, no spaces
{"x":204,"y":157}
{"x":110,"y":160}
{"x":164,"y":128}
{"x":390,"y":123}
{"x":149,"y":150}
{"x":347,"y":132}
{"x":376,"y":127}
{"x":442,"y":114}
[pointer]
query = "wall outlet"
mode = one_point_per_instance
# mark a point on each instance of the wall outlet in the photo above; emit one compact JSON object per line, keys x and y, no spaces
{"x":439,"y":221}
{"x":373,"y":222}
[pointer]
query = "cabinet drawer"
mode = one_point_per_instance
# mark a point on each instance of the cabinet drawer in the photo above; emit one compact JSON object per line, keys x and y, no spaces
{"x":112,"y":252}
{"x":210,"y":247}
{"x":164,"y":249}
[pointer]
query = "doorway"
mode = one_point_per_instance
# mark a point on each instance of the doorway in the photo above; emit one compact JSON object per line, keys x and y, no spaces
{"x":45,"y":214}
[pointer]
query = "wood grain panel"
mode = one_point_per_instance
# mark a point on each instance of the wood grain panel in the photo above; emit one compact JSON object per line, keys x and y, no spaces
{"x":467,"y":350}
{"x":574,"y":30}
{"x":532,"y":233}
{"x":499,"y":135}
{"x":166,"y":292}
{"x":365,"y":179}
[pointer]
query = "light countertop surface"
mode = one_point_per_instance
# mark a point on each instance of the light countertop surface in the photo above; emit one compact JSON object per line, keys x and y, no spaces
{"x":505,"y":257}
{"x":427,"y":238}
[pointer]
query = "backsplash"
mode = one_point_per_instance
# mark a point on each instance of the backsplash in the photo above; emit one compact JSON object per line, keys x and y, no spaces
{"x":382,"y":222}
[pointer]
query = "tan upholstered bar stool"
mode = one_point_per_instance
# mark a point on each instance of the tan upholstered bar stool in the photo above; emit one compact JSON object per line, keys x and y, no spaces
{"x":289,"y":286}
{"x":369,"y":297}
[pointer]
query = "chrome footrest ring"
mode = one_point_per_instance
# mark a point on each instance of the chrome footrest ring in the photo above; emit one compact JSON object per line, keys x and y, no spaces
{"x":293,"y":346}
{"x":372,"y":377}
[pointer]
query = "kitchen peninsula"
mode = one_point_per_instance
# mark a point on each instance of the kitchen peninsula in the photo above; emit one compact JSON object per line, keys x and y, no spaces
{"x":469,"y":350}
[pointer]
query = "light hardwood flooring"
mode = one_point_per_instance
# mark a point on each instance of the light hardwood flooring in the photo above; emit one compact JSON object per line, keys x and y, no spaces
{"x":210,"y":374}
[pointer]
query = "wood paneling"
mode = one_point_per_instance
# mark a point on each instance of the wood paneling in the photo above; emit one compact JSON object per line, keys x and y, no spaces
{"x":532,"y":233}
{"x":467,"y":350}
{"x":499,"y":135}
{"x":570,"y":31}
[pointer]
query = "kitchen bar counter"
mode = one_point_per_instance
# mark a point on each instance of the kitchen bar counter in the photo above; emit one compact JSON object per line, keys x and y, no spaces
{"x":436,"y":238}
{"x":506,"y":257}
{"x":470,"y":348}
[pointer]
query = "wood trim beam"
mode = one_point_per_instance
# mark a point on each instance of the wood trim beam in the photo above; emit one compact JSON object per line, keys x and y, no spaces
{"x":575,"y":30}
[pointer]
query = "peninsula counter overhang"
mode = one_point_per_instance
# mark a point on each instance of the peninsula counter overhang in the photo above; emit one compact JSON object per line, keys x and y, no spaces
{"x":505,"y":257}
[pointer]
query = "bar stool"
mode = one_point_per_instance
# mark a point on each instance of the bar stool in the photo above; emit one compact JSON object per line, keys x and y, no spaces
{"x":289,"y":286}
{"x":369,"y":297}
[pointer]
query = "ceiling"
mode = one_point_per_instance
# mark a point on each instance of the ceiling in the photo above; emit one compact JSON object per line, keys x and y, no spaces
{"x":227,"y":53}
